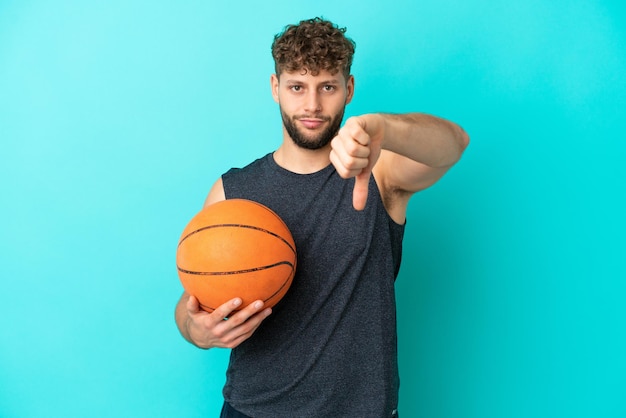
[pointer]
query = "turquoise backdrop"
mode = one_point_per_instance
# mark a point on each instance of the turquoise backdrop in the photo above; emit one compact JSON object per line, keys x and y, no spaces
{"x":117,"y":116}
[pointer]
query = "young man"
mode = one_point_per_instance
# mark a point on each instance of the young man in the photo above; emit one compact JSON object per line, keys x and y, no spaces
{"x":328,"y":349}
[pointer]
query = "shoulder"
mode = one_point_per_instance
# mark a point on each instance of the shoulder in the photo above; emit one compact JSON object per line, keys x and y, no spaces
{"x":250,"y":169}
{"x":216,"y":194}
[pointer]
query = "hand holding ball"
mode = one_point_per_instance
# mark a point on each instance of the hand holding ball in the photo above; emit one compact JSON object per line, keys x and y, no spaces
{"x":236,"y":248}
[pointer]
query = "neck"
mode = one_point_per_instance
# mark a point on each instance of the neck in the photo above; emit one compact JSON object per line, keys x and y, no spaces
{"x":300,"y":160}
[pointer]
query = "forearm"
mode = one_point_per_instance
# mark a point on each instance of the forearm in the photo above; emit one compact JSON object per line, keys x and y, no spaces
{"x":182,"y":317}
{"x":426,"y":139}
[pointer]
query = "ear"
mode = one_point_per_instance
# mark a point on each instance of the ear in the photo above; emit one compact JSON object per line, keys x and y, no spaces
{"x":349,"y":89}
{"x":274,"y":86}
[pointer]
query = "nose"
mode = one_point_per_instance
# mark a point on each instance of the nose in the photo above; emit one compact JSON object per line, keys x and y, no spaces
{"x":313,"y":103}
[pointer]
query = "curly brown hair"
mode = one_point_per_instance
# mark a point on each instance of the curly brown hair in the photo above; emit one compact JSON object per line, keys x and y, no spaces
{"x":313,"y":45}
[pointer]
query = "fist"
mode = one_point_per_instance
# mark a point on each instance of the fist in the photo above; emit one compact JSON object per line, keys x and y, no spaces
{"x":354,"y":152}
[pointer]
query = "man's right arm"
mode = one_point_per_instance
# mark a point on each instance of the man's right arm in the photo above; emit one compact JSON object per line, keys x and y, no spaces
{"x":220,"y":328}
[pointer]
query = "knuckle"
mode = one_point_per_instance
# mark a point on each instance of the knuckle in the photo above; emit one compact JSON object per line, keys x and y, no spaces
{"x":353,"y":146}
{"x":219,"y":333}
{"x":343,"y":173}
{"x":220,"y":313}
{"x":234,"y":343}
{"x":228,"y":342}
{"x":353,"y":164}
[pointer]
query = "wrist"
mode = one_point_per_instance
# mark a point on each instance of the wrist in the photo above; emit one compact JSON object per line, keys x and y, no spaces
{"x":378,"y":124}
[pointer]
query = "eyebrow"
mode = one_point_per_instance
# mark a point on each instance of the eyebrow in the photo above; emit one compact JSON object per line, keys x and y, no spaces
{"x":329,"y":81}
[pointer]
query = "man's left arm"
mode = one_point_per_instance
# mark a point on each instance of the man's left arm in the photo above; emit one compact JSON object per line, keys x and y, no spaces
{"x":407,"y":153}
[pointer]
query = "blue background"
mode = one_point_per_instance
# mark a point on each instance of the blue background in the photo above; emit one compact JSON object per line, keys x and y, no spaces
{"x":117,"y":116}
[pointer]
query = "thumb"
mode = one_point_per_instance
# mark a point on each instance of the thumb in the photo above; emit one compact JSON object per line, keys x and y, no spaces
{"x":361,"y":186}
{"x":193,"y":306}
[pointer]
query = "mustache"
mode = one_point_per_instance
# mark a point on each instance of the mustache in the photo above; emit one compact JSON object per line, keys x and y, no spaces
{"x":320,"y":117}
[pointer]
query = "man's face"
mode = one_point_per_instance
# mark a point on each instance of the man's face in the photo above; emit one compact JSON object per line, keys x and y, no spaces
{"x":312,"y":107}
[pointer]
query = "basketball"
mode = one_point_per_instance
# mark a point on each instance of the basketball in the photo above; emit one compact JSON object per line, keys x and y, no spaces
{"x":236,"y":248}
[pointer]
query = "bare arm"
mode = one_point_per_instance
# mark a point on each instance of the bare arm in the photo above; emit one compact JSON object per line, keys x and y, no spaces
{"x":222,"y":327}
{"x":407,"y":153}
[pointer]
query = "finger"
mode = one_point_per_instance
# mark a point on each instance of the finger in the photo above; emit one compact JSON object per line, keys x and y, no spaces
{"x":345,"y":169}
{"x":242,"y":324}
{"x":253,"y":322}
{"x":348,"y":156}
{"x":355,"y":129}
{"x":250,"y":326}
{"x":361,"y":137}
{"x":361,"y":187}
{"x":241,"y":333}
{"x":245,"y":314}
{"x":349,"y":148}
{"x":225,"y":310}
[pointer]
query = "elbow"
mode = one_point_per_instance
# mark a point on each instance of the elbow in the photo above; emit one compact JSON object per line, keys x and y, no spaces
{"x":464,"y":140}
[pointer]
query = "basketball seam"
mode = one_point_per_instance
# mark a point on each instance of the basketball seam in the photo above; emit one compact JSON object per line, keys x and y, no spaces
{"x":256,"y":228}
{"x":228,"y":273}
{"x":288,"y":280}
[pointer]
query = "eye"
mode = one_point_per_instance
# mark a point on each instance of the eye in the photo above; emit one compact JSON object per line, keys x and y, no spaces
{"x":296,"y":88}
{"x":329,"y":88}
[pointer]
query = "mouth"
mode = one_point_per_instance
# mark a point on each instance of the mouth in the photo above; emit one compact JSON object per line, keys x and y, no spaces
{"x":312,"y":123}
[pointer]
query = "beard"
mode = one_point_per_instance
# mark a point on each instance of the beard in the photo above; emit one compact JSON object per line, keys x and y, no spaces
{"x":312,"y":142}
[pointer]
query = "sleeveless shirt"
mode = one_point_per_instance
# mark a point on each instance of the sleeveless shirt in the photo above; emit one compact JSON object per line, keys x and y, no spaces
{"x":329,"y":348}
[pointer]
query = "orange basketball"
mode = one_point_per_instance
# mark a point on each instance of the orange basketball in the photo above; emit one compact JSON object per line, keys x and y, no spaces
{"x":236,"y":248}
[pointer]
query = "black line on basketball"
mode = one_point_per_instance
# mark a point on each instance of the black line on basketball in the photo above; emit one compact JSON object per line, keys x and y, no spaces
{"x":237,"y":226}
{"x":229,"y":273}
{"x":210,"y":308}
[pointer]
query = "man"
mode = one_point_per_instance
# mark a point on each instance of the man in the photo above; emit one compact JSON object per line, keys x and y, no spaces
{"x":328,"y":349}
